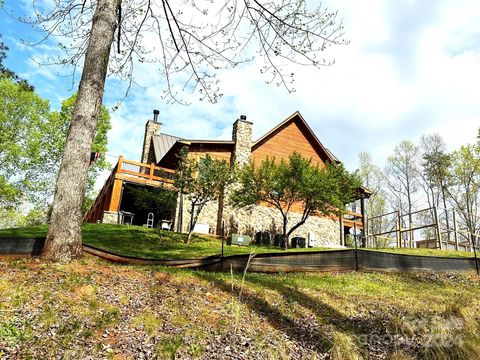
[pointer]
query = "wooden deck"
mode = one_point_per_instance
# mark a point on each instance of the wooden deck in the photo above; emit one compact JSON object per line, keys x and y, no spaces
{"x":130,"y":171}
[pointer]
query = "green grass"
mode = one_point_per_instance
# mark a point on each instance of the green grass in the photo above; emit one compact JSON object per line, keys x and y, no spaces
{"x":150,"y":243}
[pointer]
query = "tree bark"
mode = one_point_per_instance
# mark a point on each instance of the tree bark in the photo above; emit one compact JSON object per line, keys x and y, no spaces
{"x":64,"y":239}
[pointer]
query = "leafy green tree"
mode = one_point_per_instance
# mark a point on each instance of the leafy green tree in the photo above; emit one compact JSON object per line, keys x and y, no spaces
{"x":32,"y":139}
{"x":158,"y":201}
{"x":200,"y":182}
{"x":22,"y":115}
{"x":319,"y":190}
{"x":63,"y":121}
{"x":464,"y":187}
{"x":48,"y":142}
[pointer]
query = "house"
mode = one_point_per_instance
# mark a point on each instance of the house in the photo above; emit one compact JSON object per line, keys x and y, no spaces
{"x":159,"y":160}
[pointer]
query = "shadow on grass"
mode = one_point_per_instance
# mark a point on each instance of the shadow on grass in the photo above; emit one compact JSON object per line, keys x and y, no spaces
{"x":305,"y":332}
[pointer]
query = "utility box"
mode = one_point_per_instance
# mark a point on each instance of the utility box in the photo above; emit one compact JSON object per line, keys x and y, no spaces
{"x":299,"y":242}
{"x":242,"y":240}
{"x":263,"y":238}
{"x":280,"y":240}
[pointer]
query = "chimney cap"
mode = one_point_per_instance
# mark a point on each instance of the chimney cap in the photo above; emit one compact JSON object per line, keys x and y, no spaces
{"x":155,"y":115}
{"x":243,"y":117}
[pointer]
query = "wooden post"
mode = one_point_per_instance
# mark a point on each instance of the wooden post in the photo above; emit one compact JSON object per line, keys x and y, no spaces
{"x":120,"y":163}
{"x":355,"y":237}
{"x":115,"y":195}
{"x":455,"y":235}
{"x":437,"y":227}
{"x":152,"y":169}
{"x":364,"y":222}
{"x":475,"y":253}
{"x":342,"y":235}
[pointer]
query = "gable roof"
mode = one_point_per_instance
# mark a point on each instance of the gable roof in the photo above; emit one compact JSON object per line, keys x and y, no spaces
{"x":166,"y":144}
{"x":297,"y":116}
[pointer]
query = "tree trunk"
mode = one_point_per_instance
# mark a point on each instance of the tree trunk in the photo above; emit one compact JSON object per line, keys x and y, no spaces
{"x":64,"y":239}
{"x":192,"y":224}
{"x":285,"y":222}
{"x":446,"y":213}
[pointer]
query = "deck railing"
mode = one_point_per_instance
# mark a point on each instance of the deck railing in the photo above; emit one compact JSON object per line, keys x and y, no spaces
{"x":146,"y":171}
{"x":353,"y":217}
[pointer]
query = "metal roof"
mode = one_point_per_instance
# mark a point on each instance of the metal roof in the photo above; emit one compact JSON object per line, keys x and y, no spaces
{"x":161,"y":144}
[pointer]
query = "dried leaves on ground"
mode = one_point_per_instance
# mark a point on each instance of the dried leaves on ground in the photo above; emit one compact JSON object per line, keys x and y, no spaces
{"x":90,"y":309}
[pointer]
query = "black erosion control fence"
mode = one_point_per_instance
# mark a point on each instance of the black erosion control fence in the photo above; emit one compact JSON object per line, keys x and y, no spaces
{"x":21,"y":246}
{"x":327,"y":260}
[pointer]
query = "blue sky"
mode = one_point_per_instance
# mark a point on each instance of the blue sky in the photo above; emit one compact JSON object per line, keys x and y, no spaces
{"x":411,"y":68}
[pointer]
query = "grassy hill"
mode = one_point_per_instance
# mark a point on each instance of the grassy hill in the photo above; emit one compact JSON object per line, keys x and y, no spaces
{"x":151,"y":243}
{"x":93,"y":309}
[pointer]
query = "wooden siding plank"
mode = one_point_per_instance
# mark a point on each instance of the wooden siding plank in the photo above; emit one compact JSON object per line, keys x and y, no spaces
{"x":289,"y":139}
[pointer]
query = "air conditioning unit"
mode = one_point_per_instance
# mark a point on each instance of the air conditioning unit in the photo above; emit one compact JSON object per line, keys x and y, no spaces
{"x":237,"y":239}
{"x":312,"y":242}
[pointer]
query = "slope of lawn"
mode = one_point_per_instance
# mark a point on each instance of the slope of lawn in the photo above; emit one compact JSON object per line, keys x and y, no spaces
{"x":151,"y":243}
{"x":90,"y":309}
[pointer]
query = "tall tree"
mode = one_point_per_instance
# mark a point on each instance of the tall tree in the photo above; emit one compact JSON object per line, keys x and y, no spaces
{"x":192,"y":44}
{"x":373,"y":179}
{"x":200,"y":181}
{"x":32,"y":139}
{"x":435,"y":172}
{"x":64,"y":238}
{"x":318,"y":190}
{"x":22,"y":114}
{"x":464,"y":188}
{"x":402,"y":171}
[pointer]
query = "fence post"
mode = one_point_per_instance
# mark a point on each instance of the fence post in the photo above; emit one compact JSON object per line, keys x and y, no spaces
{"x":355,"y":237}
{"x":437,"y":227}
{"x":455,"y":235}
{"x":474,"y":244}
{"x":399,"y":228}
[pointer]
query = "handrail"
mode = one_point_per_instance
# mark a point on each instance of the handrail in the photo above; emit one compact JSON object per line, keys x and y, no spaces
{"x":146,"y":171}
{"x":124,"y":161}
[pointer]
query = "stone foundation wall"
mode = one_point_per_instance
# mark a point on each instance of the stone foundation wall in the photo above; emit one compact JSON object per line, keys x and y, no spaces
{"x":260,"y":218}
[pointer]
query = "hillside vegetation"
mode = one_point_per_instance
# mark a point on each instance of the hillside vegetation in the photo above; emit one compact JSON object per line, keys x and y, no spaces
{"x":92,"y":309}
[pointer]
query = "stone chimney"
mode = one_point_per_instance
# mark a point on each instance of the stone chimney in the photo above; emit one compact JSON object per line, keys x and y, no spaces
{"x":152,"y":127}
{"x":242,"y":137}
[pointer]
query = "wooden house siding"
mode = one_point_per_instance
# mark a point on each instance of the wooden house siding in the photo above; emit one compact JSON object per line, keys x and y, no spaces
{"x":286,"y":140}
{"x":216,"y":154}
